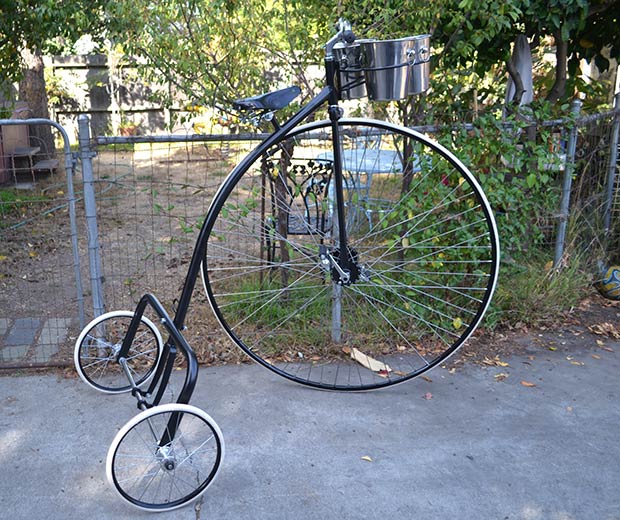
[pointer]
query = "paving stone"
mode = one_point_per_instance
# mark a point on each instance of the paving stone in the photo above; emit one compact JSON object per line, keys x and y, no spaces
{"x":23,"y":332}
{"x":53,"y":334}
{"x":12,"y":354}
{"x":4,"y":326}
{"x":19,"y":339}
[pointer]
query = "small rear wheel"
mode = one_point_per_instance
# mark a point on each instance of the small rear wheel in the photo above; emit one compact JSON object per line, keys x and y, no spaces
{"x":165,"y":457}
{"x":98,"y":346}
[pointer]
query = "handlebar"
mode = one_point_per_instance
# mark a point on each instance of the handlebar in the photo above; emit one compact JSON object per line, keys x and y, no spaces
{"x":348,"y":36}
{"x":344,"y":34}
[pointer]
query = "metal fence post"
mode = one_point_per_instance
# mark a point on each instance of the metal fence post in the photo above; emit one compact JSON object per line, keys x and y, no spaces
{"x":70,"y":162}
{"x":613,"y":160}
{"x":90,"y":207}
{"x":569,"y":169}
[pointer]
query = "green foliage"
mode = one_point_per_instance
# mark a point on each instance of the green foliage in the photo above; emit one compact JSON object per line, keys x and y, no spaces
{"x":58,"y":92}
{"x":531,"y":292}
{"x":473,"y":38}
{"x":44,"y":25}
{"x":16,"y":204}
{"x":518,"y":175}
{"x":392,"y":18}
{"x":478,"y":33}
{"x":252,"y":47}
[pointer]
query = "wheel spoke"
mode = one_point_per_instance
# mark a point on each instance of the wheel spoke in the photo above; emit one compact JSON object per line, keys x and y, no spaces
{"x":155,"y":477}
{"x":422,"y":256}
{"x":99,"y":344}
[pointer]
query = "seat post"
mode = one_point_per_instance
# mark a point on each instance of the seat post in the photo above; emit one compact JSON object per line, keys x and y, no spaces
{"x":274,"y":123}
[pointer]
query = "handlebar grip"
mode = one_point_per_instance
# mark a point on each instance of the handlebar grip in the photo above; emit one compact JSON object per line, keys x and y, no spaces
{"x":348,"y":36}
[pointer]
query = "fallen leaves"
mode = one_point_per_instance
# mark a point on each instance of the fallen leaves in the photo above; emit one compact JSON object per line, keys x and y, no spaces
{"x":367,"y":458}
{"x":605,"y":329}
{"x":500,"y":377}
{"x":494,"y":362}
{"x":602,"y":345}
{"x":573,"y":362}
{"x":527,"y":384}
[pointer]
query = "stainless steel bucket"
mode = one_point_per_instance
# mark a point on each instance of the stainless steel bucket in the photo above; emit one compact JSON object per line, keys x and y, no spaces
{"x":351,"y":76}
{"x":389,"y":67}
{"x":420,"y":70}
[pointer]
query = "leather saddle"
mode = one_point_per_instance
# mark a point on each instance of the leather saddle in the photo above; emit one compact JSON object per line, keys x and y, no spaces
{"x":270,"y":101}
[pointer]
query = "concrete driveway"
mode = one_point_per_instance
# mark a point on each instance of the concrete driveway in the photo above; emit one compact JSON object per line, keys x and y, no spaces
{"x":537,"y":439}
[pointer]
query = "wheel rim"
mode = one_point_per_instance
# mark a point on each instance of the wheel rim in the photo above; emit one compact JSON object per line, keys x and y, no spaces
{"x":98,"y":346}
{"x":155,"y":476}
{"x":422,"y":247}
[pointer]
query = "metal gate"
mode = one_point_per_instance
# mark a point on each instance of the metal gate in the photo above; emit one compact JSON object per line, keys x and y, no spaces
{"x":41,"y":295}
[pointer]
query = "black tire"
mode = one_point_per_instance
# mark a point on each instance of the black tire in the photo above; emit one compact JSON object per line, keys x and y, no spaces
{"x":98,"y":345}
{"x":423,"y":248}
{"x":155,"y":468}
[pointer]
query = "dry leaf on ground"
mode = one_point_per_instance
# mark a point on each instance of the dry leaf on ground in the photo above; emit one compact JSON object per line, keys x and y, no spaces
{"x":369,"y":362}
{"x":605,"y":329}
{"x":494,"y":362}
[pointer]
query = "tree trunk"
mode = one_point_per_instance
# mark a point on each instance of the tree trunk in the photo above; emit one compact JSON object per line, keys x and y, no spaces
{"x":559,"y":87}
{"x":32,"y":92}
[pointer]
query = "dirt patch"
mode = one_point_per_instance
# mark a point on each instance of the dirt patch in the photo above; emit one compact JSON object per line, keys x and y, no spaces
{"x":589,"y":325}
{"x":150,"y":205}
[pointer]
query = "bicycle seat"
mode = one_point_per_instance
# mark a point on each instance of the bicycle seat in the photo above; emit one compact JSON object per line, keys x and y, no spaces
{"x":269,"y":101}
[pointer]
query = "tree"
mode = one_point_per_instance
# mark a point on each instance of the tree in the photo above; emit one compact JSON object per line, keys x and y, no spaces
{"x":30,"y":27}
{"x":579,"y":28}
{"x":208,"y":52}
{"x":475,"y":36}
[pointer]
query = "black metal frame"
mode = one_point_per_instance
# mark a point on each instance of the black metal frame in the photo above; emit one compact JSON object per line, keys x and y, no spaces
{"x":176,"y":342}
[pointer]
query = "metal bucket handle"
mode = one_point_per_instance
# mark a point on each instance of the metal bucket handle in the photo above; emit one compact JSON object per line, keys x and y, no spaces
{"x":345,"y":65}
{"x":423,"y":53}
{"x":388,"y":67}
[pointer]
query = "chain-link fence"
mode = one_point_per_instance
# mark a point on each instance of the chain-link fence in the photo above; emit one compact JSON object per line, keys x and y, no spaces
{"x":66,"y":257}
{"x":595,"y":198}
{"x":41,"y":296}
{"x":152,"y":195}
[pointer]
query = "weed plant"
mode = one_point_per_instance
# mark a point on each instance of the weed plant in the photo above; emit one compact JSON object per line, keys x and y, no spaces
{"x":518,"y":162}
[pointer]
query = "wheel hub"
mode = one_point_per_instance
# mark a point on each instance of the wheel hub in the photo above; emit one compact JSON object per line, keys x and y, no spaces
{"x":167,"y":460}
{"x":342,"y":273}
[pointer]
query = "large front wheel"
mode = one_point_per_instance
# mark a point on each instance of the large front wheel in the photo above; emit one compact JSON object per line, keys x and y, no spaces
{"x":410,"y":286}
